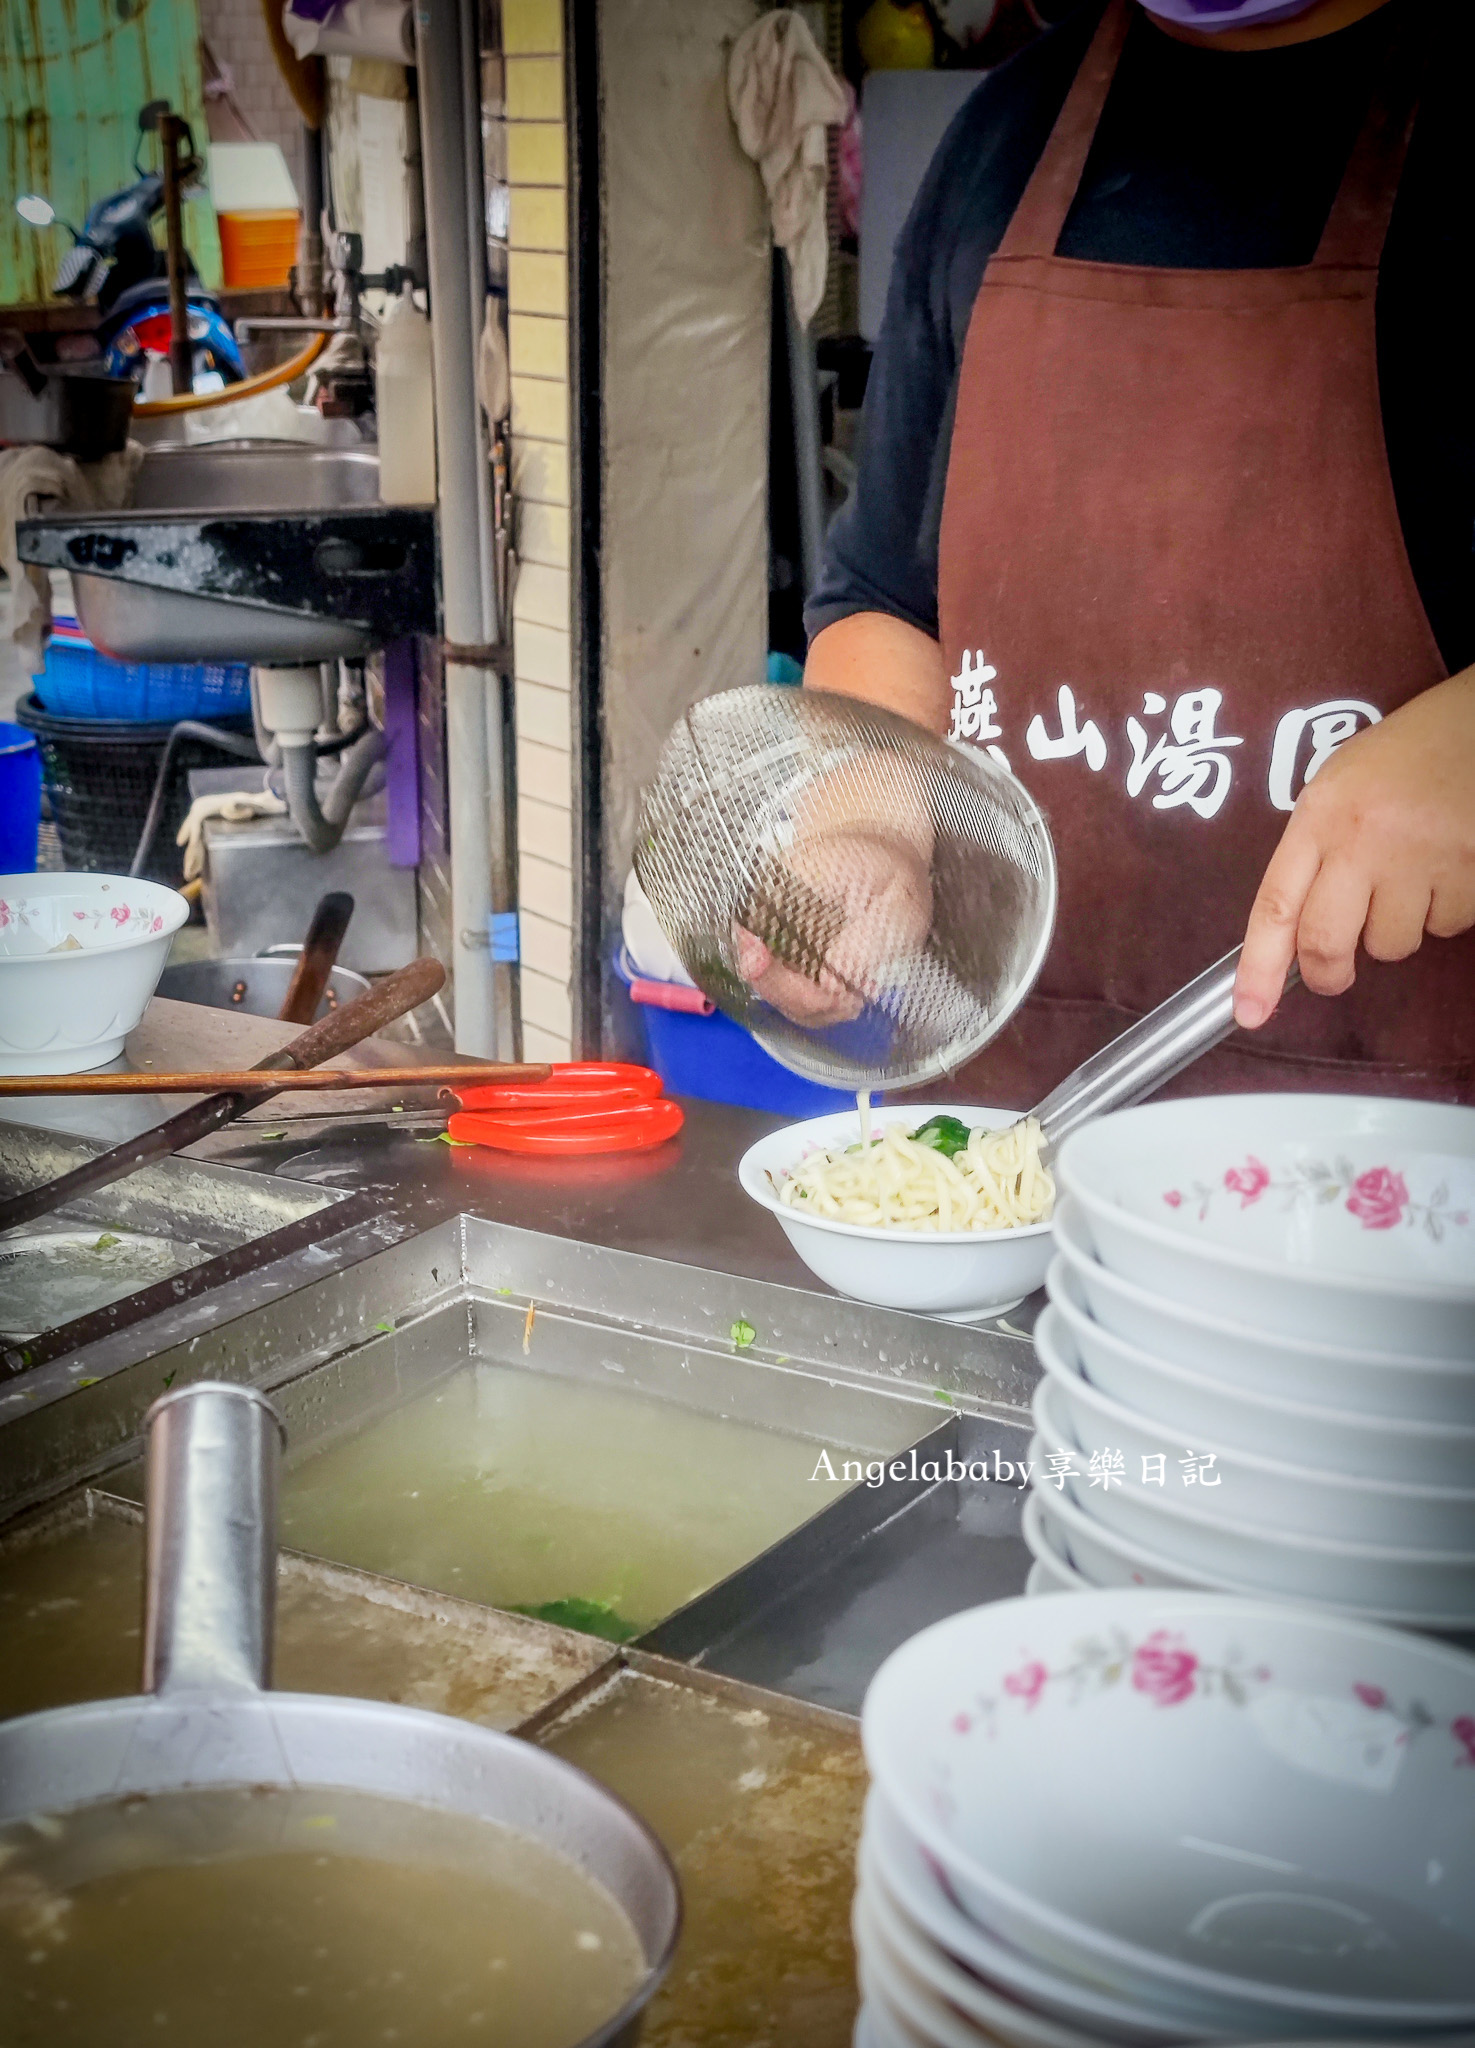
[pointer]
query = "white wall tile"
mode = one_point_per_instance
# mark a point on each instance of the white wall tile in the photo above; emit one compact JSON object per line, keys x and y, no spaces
{"x":542,"y":596}
{"x":543,"y":715}
{"x":545,"y":1002}
{"x":545,"y":888}
{"x":545,"y":830}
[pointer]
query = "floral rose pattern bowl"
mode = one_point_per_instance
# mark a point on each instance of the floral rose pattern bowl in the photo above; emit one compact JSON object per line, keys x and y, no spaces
{"x":30,"y":925}
{"x":1220,"y":1201}
{"x":1104,"y":1780}
{"x":80,"y":958}
{"x":1378,"y":1197}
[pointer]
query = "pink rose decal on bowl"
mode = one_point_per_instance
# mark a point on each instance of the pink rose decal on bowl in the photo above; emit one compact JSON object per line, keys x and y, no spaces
{"x":1378,"y":1198}
{"x":1164,"y":1671}
{"x":1173,"y":1199}
{"x":1463,"y":1731}
{"x":119,"y":913}
{"x":1371,"y":1696}
{"x":1027,"y":1683}
{"x":1249,"y":1181}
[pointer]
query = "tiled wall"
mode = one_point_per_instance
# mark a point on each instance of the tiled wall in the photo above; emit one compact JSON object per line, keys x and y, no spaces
{"x":538,"y":300}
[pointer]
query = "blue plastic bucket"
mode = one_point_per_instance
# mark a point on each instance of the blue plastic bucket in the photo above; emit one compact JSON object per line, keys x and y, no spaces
{"x":79,"y":682}
{"x":20,"y":799}
{"x":717,"y":1061}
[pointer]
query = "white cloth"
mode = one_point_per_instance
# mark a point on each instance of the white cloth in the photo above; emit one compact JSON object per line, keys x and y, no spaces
{"x":37,"y":480}
{"x":783,"y":96}
{"x":234,"y":806}
{"x":355,"y":28}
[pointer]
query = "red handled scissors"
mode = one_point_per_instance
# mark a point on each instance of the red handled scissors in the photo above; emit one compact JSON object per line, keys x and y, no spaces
{"x":583,"y":1106}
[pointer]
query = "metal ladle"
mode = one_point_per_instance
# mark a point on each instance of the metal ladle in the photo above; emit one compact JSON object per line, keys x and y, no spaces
{"x":208,"y":1719}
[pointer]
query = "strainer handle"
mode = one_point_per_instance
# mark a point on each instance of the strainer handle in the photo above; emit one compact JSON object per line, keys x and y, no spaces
{"x":210,"y":1518}
{"x":1147,"y":1054}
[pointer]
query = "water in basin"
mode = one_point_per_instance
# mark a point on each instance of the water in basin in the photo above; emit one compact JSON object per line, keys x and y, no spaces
{"x":71,"y":1619}
{"x":54,"y":1275}
{"x":596,"y":1506}
{"x":761,"y":1814}
{"x":304,"y":1919}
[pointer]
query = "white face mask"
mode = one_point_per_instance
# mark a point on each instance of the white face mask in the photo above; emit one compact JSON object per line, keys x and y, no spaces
{"x":1212,"y":16}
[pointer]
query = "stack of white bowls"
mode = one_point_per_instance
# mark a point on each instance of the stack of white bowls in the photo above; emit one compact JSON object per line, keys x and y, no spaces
{"x":1165,"y":1816}
{"x":1259,"y":1356}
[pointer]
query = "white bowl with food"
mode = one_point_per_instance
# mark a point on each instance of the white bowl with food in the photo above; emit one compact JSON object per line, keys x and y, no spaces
{"x":1343,"y":1218}
{"x":1377,"y":1447}
{"x":814,"y":1178}
{"x":80,"y":957}
{"x":1235,"y":1485}
{"x":1422,"y":1588}
{"x":1249,"y":1816}
{"x":1399,"y":1386}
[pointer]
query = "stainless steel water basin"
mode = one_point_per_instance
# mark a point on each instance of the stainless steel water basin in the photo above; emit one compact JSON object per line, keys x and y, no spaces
{"x":255,"y":476}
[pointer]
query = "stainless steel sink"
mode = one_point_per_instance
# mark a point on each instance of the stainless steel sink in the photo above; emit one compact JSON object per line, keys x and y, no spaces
{"x":134,"y":622}
{"x":242,"y":552}
{"x":255,"y":476}
{"x":141,"y":623}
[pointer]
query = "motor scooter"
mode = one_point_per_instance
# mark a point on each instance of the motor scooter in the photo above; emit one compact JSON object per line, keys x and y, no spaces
{"x":115,"y":260}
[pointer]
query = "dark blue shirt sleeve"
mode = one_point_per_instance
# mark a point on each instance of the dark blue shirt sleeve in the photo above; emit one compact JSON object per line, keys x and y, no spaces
{"x":881,"y":555}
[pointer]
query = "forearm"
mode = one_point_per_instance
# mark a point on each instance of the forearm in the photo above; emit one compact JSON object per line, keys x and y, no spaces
{"x":882,"y":660}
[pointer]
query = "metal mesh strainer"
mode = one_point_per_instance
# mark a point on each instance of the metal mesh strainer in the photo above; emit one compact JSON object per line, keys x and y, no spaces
{"x":873,"y":903}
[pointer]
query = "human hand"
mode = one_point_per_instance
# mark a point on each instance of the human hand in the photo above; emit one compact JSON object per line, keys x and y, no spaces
{"x":869,"y":910}
{"x":1380,"y":846}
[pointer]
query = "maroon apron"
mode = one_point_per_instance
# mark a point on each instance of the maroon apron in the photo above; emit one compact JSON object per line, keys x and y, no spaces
{"x":1172,"y":581}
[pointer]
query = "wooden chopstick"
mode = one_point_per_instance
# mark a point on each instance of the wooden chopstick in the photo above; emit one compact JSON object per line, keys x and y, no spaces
{"x":276,"y":1081}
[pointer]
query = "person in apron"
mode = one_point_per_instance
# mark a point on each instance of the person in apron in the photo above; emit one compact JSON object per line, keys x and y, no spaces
{"x":1173,"y":596}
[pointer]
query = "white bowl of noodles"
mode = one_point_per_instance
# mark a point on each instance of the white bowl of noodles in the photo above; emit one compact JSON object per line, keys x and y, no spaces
{"x":910,"y":1261}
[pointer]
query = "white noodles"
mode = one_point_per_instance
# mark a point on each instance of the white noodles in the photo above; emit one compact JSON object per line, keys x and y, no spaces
{"x":998,"y":1182}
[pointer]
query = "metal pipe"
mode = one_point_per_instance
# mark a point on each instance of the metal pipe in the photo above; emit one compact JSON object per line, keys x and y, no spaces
{"x":322,"y":825}
{"x":808,"y":442}
{"x":474,"y":771}
{"x":210,"y":1539}
{"x":181,"y":348}
{"x":310,"y":234}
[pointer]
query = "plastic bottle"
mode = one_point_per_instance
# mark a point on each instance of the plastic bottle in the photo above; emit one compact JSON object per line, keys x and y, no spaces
{"x":405,"y":403}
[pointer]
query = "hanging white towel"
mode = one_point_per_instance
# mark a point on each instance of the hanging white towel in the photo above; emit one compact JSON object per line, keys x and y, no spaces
{"x":783,"y":96}
{"x":38,"y":480}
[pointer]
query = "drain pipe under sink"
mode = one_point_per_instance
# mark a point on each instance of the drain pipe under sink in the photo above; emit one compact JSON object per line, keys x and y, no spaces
{"x":289,"y":706}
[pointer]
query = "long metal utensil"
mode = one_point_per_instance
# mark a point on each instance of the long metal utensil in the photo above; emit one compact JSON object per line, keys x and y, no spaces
{"x":315,"y":961}
{"x":458,"y":1074}
{"x":388,"y":999}
{"x":1150,"y":1052}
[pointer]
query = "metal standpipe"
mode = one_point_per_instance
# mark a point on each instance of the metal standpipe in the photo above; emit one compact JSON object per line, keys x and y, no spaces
{"x":480,"y":880}
{"x":213,"y":1451}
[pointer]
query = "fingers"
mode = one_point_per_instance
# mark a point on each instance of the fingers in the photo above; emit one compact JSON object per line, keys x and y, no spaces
{"x":1396,"y":920}
{"x":1332,"y":919}
{"x":1270,"y":936}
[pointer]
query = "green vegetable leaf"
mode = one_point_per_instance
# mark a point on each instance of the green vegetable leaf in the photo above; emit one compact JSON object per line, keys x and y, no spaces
{"x":106,"y":1242}
{"x":743,"y":1334}
{"x":945,"y":1134}
{"x":589,"y":1617}
{"x":87,"y":1383}
{"x":445,"y":1138}
{"x":270,"y":1137}
{"x":939,"y":1395}
{"x":384,"y":1326}
{"x":170,"y":1378}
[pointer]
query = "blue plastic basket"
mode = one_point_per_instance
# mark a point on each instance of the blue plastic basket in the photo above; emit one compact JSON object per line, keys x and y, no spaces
{"x":78,"y":682}
{"x":717,"y":1061}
